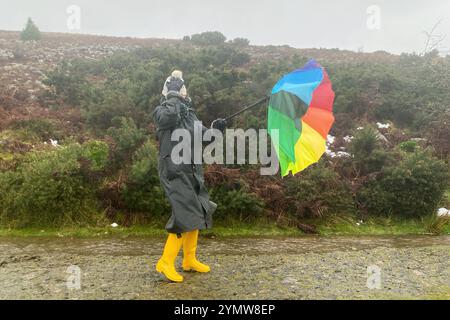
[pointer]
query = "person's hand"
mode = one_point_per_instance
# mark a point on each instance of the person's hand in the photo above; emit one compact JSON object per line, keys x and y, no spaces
{"x":219,"y":124}
{"x":188,"y":100}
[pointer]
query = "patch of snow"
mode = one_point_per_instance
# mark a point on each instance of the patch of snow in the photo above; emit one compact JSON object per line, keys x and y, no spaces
{"x":330,"y":139}
{"x":348,"y":138}
{"x":343,"y":154}
{"x":339,"y":154}
{"x":383,"y":125}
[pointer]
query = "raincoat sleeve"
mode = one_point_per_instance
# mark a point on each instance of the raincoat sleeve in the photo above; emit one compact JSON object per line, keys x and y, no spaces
{"x":166,"y":117}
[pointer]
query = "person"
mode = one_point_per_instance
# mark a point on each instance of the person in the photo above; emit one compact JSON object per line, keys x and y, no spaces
{"x":183,"y":184}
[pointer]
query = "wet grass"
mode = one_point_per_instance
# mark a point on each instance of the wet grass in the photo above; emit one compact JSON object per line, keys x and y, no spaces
{"x":348,"y":225}
{"x":235,"y":229}
{"x":334,"y":225}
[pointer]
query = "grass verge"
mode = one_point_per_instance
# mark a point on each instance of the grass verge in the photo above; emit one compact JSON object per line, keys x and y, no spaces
{"x":334,"y":225}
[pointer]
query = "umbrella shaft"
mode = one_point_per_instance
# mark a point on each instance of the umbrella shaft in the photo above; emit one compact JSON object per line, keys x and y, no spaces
{"x":248,"y":107}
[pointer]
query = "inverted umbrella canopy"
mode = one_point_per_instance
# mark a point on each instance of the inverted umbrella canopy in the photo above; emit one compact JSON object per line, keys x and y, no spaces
{"x":301,"y":109}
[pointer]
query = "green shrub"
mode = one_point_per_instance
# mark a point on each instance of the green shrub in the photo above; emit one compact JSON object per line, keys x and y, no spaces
{"x":240,"y":42}
{"x":127,"y":138}
{"x":208,"y":38}
{"x":408,"y":146}
{"x":36,"y":129}
{"x":368,"y":156}
{"x":100,"y":116}
{"x":70,"y":83}
{"x":412,"y":187}
{"x":49,"y":188}
{"x":236,"y":203}
{"x":318,"y":191}
{"x":97,"y":153}
{"x":31,"y":32}
{"x":143,"y":192}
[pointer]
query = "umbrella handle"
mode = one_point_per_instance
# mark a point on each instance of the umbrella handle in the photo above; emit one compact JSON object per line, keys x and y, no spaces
{"x":248,"y":107}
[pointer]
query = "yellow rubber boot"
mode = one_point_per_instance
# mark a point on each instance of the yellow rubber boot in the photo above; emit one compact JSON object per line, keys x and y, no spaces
{"x":166,"y":265}
{"x":189,"y":248}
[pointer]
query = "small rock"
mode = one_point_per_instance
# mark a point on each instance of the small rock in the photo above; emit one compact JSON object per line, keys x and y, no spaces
{"x":289,"y":280}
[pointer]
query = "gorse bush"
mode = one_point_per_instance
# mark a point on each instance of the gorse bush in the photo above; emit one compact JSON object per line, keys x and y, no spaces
{"x":39,"y":129}
{"x":143,"y":192}
{"x":408,"y":146}
{"x":208,"y":38}
{"x":317,"y":192}
{"x":31,"y":32}
{"x":241,"y":42}
{"x":97,"y":154}
{"x":70,"y":84}
{"x":50,"y":188}
{"x":237,"y":203}
{"x":127,"y":137}
{"x":368,"y":154}
{"x":100,"y":116}
{"x":412,"y":187}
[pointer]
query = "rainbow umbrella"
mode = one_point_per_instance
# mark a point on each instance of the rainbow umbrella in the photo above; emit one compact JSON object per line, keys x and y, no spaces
{"x":301,"y":109}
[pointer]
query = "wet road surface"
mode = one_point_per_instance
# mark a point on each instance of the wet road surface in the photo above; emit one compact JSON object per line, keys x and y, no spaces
{"x":242,"y":268}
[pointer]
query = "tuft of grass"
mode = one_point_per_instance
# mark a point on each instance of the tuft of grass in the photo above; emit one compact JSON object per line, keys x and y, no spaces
{"x":351,"y":225}
{"x":437,"y":225}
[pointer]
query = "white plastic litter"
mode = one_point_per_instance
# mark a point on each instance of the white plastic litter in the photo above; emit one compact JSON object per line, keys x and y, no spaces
{"x":54,"y":143}
{"x":114,"y":225}
{"x":359,"y":128}
{"x":443,"y":212}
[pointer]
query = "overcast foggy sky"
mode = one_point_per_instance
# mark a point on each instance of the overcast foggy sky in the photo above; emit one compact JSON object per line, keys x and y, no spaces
{"x":300,"y":23}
